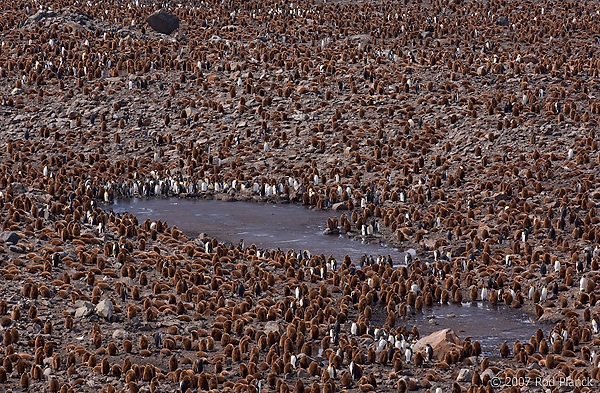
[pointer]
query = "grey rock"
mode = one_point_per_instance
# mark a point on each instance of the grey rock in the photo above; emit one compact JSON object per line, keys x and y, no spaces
{"x":105,"y":309}
{"x":40,"y":15}
{"x":10,"y":237}
{"x":487,"y":372}
{"x":17,"y":249}
{"x":551,"y":317}
{"x":502,"y":21}
{"x":535,"y":366}
{"x":331,"y":231}
{"x":300,"y":116}
{"x":68,"y":253}
{"x":163,"y":22}
{"x":228,"y":120}
{"x":190,"y":112}
{"x":465,"y":375}
{"x":86,"y":309}
{"x":272,"y":327}
{"x":19,"y":188}
{"x":339,"y":206}
{"x":121,"y":334}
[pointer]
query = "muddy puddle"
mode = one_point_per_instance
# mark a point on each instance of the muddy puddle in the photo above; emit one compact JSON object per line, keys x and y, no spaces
{"x":290,"y":226}
{"x":269,"y":226}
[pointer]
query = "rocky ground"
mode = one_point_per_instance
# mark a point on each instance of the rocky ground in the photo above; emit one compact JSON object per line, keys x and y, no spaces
{"x":465,"y":130}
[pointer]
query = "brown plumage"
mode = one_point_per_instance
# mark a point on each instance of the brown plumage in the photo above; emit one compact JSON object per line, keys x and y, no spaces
{"x":473,"y":294}
{"x":143,"y":343}
{"x":418,"y":359}
{"x":346,"y":379}
{"x":24,"y":380}
{"x":54,"y":385}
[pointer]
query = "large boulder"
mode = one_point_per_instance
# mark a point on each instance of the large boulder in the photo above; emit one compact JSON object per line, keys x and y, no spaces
{"x":105,"y":309}
{"x":163,"y":22}
{"x":442,"y":342}
{"x":465,"y":375}
{"x":84,"y":309}
{"x":502,"y":21}
{"x":10,"y":237}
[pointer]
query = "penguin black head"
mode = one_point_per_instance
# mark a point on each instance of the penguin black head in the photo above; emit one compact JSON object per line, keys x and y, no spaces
{"x":543,"y":269}
{"x":184,"y":385}
{"x":199,"y":366}
{"x":371,"y":330}
{"x":579,"y":266}
{"x":552,"y":233}
{"x":391,"y":352}
{"x":55,"y":259}
{"x":429,"y":352}
{"x":158,"y":342}
{"x":257,"y":289}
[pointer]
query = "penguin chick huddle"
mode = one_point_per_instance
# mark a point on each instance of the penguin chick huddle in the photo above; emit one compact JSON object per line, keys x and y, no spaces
{"x":463,"y":130}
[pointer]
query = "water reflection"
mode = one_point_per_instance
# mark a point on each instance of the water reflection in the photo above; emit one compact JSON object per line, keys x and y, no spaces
{"x":266,"y":225}
{"x":491,"y":325}
{"x":291,"y":226}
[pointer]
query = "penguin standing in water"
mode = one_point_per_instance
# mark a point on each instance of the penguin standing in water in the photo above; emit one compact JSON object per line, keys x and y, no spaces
{"x":484,"y":293}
